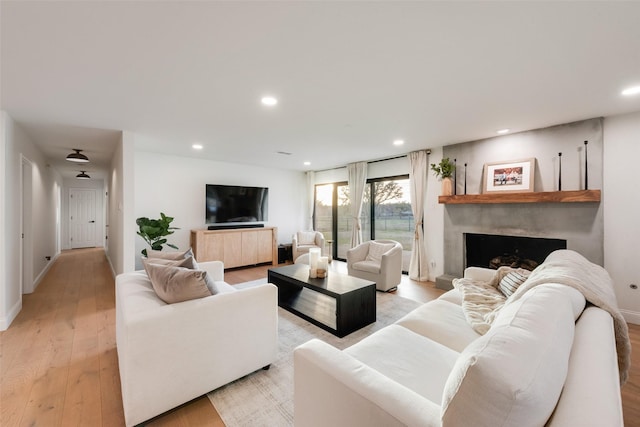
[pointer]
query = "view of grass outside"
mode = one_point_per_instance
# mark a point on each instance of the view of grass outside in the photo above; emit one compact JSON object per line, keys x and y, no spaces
{"x":392,"y":217}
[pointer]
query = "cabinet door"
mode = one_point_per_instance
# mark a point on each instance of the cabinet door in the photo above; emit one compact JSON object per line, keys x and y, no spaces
{"x":249,"y":247}
{"x":232,"y":250}
{"x":265,"y":246}
{"x":213,"y":248}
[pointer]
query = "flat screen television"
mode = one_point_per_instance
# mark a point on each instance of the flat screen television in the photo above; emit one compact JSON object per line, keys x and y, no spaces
{"x":228,"y":204}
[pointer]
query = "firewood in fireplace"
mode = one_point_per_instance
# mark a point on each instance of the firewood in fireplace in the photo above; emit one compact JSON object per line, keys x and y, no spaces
{"x":513,"y":261}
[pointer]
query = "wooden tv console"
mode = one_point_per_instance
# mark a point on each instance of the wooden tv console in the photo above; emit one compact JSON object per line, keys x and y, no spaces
{"x":236,"y":247}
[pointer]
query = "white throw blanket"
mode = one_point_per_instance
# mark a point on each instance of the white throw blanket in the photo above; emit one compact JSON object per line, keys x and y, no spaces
{"x":569,"y":268}
{"x":481,"y":301}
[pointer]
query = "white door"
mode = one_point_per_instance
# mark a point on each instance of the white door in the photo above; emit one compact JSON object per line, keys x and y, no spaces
{"x":82,"y":217}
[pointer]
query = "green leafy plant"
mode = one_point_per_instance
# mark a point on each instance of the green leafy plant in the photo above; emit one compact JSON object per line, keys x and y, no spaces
{"x":444,"y":169}
{"x":153,"y":231}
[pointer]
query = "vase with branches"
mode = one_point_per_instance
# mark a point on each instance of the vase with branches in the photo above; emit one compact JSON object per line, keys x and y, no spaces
{"x":444,"y":171}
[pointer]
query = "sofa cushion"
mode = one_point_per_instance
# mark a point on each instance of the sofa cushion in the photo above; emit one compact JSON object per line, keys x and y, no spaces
{"x":188,"y":262}
{"x":441,"y":321}
{"x":376,"y":250}
{"x":368,"y":266}
{"x":177,"y":284}
{"x":306,"y":237}
{"x":510,"y":283}
{"x":170,"y":254}
{"x":424,"y":368}
{"x":513,"y":375}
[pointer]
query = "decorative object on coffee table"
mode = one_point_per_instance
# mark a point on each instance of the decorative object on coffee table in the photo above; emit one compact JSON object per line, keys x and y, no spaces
{"x":314,"y":257}
{"x":515,"y":176}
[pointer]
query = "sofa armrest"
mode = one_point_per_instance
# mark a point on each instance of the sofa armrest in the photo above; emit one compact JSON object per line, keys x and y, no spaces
{"x":213,"y":268}
{"x":333,"y":388}
{"x":359,"y":253}
{"x":479,"y":273}
{"x":591,"y":393}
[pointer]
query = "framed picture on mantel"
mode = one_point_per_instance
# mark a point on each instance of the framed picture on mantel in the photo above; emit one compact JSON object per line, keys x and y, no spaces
{"x":514,"y":176}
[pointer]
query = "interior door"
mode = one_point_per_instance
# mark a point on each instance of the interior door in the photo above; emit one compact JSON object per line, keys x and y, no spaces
{"x":82,"y":217}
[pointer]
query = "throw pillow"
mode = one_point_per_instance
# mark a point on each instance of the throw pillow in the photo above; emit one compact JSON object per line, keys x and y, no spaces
{"x":189,"y":262}
{"x":306,"y":237}
{"x":376,"y":250}
{"x":169,"y":255}
{"x":512,"y":281}
{"x":176,"y":284}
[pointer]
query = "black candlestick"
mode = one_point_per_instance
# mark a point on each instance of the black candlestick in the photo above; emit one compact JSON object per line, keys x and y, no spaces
{"x":455,"y":176}
{"x":559,"y":171}
{"x":465,"y":178}
{"x":586,"y":170}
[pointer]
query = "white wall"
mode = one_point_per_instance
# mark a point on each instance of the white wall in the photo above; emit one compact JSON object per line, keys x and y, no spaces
{"x":176,"y":186}
{"x":46,"y":184}
{"x":5,"y":319}
{"x":121,"y":200}
{"x":622,"y":209}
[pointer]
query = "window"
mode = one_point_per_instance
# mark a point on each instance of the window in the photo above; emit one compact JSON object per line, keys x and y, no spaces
{"x":389,"y":216}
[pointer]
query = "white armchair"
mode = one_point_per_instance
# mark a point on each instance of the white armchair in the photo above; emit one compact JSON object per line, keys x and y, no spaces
{"x":377,"y":260}
{"x":169,"y":354}
{"x":302,"y":241}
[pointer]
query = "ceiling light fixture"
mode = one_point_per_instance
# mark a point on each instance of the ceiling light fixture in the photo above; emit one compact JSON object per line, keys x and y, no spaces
{"x":197,"y":146}
{"x":83,"y":175}
{"x":502,"y":131}
{"x":307,"y":163}
{"x":631,"y":91}
{"x":77,"y":157}
{"x":398,"y":142}
{"x":269,"y":101}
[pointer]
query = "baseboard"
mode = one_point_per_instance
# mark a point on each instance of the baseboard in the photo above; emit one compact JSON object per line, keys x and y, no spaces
{"x":44,"y":272}
{"x":631,"y":316}
{"x":113,"y":271}
{"x":11,"y":315}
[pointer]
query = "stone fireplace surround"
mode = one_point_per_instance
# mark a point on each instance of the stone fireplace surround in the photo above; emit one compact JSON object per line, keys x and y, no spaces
{"x":580,"y":224}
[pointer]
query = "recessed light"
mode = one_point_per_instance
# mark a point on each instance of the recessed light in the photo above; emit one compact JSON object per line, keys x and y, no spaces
{"x":398,"y":142}
{"x":502,"y":131}
{"x":197,"y":146}
{"x":307,"y":163}
{"x":631,"y":91}
{"x":269,"y":101}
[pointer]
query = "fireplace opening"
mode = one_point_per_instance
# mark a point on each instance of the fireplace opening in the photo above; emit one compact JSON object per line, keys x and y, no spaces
{"x":494,"y":251}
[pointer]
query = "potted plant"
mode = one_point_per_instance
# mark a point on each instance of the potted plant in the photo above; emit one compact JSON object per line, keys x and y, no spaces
{"x":444,"y":171}
{"x":153,"y":231}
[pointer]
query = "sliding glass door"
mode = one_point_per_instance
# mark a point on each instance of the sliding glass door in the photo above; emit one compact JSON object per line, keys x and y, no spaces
{"x":386,"y":214}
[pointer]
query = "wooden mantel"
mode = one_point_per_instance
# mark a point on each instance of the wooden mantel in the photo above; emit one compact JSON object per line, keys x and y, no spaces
{"x":579,"y":196}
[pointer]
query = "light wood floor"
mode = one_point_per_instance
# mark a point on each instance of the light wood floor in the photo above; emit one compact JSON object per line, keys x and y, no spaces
{"x":58,"y":361}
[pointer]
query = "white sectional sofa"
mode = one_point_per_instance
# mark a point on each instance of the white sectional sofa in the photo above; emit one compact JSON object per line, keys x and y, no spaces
{"x":172,"y":353}
{"x":546,"y":360}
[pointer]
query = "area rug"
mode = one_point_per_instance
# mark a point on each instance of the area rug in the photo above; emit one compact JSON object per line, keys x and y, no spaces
{"x":265,"y":398}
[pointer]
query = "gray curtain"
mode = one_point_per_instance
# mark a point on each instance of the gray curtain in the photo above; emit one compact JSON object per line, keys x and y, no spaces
{"x":418,"y":268}
{"x":357,"y":180}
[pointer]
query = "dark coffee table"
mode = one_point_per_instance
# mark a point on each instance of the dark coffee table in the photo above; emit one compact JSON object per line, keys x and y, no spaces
{"x":338,"y":303}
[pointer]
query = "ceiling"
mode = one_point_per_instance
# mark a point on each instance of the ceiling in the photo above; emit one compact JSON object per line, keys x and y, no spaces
{"x":351,"y":77}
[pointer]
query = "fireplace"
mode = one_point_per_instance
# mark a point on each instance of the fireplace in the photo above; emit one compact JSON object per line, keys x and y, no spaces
{"x":493,"y":251}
